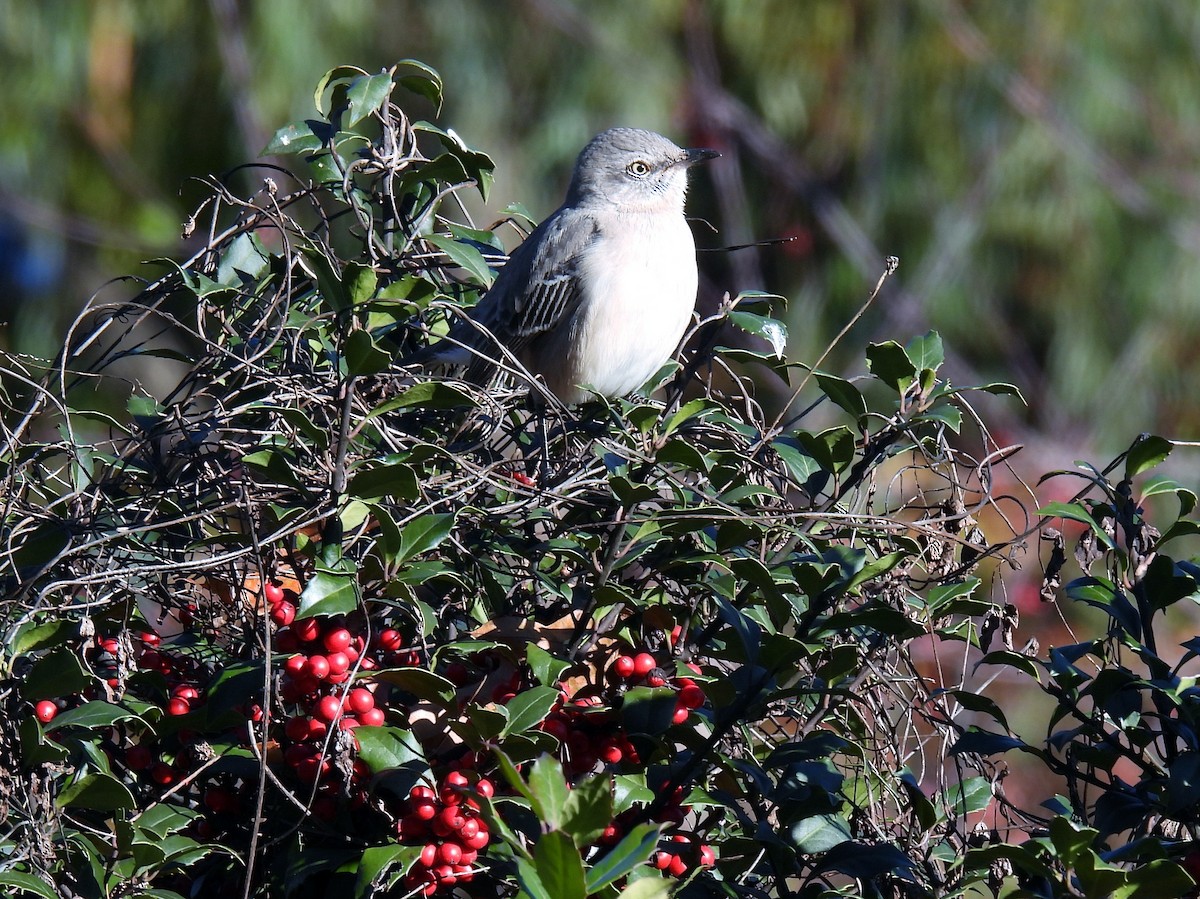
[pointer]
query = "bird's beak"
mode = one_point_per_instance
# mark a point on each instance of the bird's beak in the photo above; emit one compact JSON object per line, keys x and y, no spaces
{"x":695,"y":155}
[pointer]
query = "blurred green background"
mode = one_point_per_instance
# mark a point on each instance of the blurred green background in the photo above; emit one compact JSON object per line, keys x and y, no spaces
{"x":1033,"y":165}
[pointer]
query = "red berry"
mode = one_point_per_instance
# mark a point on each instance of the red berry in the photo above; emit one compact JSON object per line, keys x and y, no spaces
{"x":420,"y":791}
{"x":307,"y":629}
{"x":318,"y":667}
{"x":219,"y":799}
{"x":150,"y":638}
{"x":163,"y":774}
{"x":469,"y":829}
{"x":297,"y":728}
{"x":677,"y":867}
{"x":339,"y":664}
{"x":273,"y":594}
{"x":681,"y":715}
{"x":178,"y":706}
{"x":611,"y":753}
{"x":691,"y":696}
{"x":656,"y":679}
{"x":283,"y":614}
{"x":452,"y":817}
{"x":295,"y":664}
{"x":424,"y":810}
{"x":485,"y":788}
{"x":285,"y":641}
{"x":360,"y":700}
{"x":45,"y":711}
{"x":389,"y":640}
{"x":450,"y":853}
{"x":337,"y":640}
{"x":478,"y":841}
{"x":186,"y":691}
{"x":708,"y":858}
{"x":643,"y":664}
{"x":624,"y":666}
{"x":139,"y":757}
{"x":662,"y":860}
{"x":328,"y":708}
{"x":429,"y":854}
{"x":456,"y":779}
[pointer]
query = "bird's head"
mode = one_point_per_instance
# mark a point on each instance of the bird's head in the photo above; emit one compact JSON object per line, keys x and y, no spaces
{"x":633,"y":169}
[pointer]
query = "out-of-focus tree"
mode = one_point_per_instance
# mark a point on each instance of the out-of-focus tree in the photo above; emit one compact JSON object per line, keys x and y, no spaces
{"x":1033,"y":165}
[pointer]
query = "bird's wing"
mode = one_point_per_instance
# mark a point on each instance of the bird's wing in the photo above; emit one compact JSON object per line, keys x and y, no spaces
{"x":539,"y":287}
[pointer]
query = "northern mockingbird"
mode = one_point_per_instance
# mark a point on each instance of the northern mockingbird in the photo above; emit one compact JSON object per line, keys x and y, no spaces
{"x":598,"y":296}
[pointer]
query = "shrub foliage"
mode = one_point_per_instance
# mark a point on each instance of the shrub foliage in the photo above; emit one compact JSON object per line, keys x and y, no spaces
{"x":302,"y":622}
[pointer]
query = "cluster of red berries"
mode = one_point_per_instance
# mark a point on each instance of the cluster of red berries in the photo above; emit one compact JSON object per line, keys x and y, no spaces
{"x":446,"y":823}
{"x":682,"y":855}
{"x":642,"y":668}
{"x":587,"y":733}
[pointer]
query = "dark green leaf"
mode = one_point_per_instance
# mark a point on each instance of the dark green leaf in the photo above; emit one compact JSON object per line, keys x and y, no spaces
{"x":529,"y":708}
{"x":376,"y":862}
{"x":420,"y":682}
{"x":769,"y":329}
{"x":93,"y":714}
{"x":926,"y":352}
{"x":559,"y":866}
{"x":1147,"y":452}
{"x":21,"y":882}
{"x":587,"y":811}
{"x":844,"y":394}
{"x":294,"y":139}
{"x":366,"y":94}
{"x":423,"y":534}
{"x":427,"y":395}
{"x":545,"y":667}
{"x":364,"y":356}
{"x":982,"y":742}
{"x":818,"y":833}
{"x":58,"y":673}
{"x":890,"y":363}
{"x":394,"y":479}
{"x":329,"y":593}
{"x":388,"y":749}
{"x":633,"y":850}
{"x":101,"y":792}
{"x":548,"y":790}
{"x":465,"y":256}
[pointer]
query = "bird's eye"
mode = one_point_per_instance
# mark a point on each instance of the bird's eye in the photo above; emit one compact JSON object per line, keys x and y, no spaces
{"x":638,"y":169}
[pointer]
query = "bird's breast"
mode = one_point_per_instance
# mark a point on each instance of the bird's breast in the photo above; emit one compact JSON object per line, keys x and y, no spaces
{"x":638,"y":282}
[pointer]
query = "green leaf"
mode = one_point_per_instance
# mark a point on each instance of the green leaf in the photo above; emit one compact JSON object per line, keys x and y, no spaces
{"x":27,"y":883}
{"x":647,"y":888}
{"x":389,"y":748}
{"x":294,"y":139}
{"x":363,"y":355}
{"x":329,"y":593}
{"x":58,"y":673}
{"x":465,"y":256}
{"x":101,"y":792}
{"x":633,"y":850}
{"x":531,"y":883}
{"x":890,"y":363}
{"x":926,"y":352}
{"x":420,"y":682}
{"x":93,"y":714}
{"x":1147,"y":452}
{"x":769,"y":329}
{"x":423,"y":534}
{"x":329,"y":281}
{"x":33,"y":635}
{"x":969,"y":795}
{"x":559,"y":867}
{"x":844,"y":394}
{"x":548,"y":790}
{"x":545,"y":667}
{"x":424,"y":81}
{"x":427,"y":395}
{"x":648,"y":710}
{"x":588,"y":811}
{"x":381,"y":479}
{"x":529,"y":708}
{"x":376,"y":862}
{"x":818,"y":833}
{"x":366,"y":94}
{"x":1075,"y":512}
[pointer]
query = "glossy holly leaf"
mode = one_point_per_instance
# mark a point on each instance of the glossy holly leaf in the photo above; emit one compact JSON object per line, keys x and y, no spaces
{"x":634,"y":849}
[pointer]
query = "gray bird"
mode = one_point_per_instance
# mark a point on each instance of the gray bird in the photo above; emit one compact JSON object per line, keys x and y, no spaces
{"x":598,"y":296}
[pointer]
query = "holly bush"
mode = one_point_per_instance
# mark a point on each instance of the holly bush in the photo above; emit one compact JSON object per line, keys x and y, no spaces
{"x":301,"y":621}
